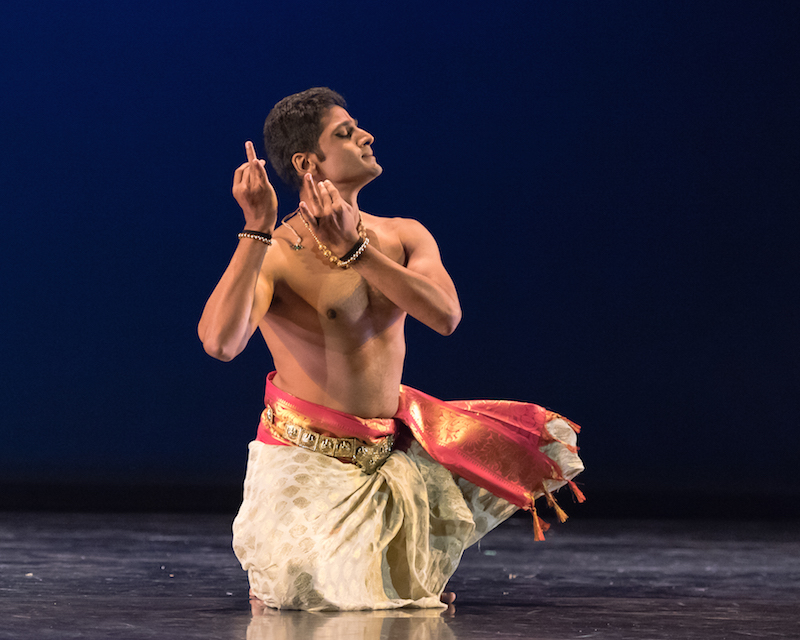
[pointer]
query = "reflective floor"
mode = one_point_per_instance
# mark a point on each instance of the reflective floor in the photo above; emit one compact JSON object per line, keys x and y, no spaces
{"x":174,"y":576}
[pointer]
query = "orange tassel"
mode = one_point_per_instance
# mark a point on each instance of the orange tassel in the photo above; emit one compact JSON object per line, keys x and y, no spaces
{"x":562,"y":515}
{"x":576,"y":492}
{"x":551,"y":501}
{"x":538,"y":534}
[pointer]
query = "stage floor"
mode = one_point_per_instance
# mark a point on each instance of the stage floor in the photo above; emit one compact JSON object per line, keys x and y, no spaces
{"x":174,"y":576}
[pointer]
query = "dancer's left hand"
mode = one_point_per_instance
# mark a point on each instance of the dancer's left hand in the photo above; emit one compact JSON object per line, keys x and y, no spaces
{"x":334,"y":221}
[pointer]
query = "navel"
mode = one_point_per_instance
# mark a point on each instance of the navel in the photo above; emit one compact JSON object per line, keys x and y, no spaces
{"x":331,"y":313}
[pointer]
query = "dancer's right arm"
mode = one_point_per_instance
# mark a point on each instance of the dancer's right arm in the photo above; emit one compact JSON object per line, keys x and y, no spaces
{"x":243,"y":295}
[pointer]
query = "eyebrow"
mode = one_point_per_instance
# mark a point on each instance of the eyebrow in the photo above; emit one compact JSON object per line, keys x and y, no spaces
{"x":344,"y":123}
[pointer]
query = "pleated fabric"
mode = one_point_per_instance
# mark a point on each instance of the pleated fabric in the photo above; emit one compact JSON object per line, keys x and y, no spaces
{"x":318,"y":534}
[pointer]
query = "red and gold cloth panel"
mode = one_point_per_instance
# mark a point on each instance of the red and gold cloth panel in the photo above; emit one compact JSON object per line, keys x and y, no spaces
{"x":494,"y":444}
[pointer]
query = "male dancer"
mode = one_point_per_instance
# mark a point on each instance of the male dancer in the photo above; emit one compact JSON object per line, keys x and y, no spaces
{"x":343,"y":508}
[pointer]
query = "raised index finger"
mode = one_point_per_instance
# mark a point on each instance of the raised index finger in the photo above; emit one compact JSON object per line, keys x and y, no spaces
{"x":250,"y":150}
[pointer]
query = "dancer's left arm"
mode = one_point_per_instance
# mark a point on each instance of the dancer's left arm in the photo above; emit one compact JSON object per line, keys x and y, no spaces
{"x":422,"y":288}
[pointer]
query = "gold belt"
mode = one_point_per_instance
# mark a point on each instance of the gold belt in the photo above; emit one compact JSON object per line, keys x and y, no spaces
{"x":367,"y":457}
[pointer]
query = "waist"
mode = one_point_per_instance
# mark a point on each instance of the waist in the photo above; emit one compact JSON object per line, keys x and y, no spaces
{"x":365,"y":442}
{"x":324,"y":420}
{"x":367,"y":455}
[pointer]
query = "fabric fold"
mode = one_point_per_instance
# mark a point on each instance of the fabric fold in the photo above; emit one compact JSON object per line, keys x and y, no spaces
{"x":499,"y":445}
{"x":319,"y":534}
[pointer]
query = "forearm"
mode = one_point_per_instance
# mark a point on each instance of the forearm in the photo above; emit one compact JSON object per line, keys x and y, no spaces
{"x":242,"y":296}
{"x":422,"y":288}
{"x":231,"y":314}
{"x":421,"y":297}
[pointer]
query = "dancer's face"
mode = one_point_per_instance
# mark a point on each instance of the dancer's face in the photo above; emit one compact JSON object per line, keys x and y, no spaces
{"x":347,"y":151}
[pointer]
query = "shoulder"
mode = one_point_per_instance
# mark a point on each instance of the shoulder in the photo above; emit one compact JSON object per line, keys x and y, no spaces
{"x":405,"y":229}
{"x":289,"y":234}
{"x":410,"y":237}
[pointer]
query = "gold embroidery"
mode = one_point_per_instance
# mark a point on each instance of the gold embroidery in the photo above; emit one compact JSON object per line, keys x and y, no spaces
{"x":368,"y":457}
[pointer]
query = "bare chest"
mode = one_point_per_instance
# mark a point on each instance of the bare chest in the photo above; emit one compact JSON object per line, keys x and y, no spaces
{"x":318,"y":296}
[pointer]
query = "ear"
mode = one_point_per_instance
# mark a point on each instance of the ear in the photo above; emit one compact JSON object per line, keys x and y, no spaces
{"x":304,"y":163}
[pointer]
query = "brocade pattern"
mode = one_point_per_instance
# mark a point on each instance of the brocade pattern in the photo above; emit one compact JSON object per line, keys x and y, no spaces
{"x":317,"y":534}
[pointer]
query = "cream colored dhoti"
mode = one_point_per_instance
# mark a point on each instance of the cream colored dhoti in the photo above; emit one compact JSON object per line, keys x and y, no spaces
{"x":318,"y":534}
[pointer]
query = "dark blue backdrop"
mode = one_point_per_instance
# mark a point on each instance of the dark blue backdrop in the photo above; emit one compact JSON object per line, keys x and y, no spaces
{"x":614,"y":187}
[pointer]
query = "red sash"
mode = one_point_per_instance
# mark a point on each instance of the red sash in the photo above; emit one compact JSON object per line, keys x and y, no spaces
{"x":494,"y":444}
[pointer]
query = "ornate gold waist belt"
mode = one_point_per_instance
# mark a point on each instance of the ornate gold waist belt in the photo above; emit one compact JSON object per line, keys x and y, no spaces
{"x":368,"y":457}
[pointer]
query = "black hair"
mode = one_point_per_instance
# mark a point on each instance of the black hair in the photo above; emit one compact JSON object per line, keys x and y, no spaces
{"x":294,"y":126}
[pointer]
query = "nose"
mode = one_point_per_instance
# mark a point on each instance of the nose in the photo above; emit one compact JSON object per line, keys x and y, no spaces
{"x":366,"y":138}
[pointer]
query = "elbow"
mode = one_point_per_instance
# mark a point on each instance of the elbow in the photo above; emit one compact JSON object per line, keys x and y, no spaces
{"x":219,"y":352}
{"x":449,"y":322}
{"x":216,"y":348}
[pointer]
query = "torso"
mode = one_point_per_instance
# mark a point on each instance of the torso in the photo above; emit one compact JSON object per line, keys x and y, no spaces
{"x":335,"y":340}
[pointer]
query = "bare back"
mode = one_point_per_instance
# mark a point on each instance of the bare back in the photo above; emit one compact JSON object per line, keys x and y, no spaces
{"x":335,"y":340}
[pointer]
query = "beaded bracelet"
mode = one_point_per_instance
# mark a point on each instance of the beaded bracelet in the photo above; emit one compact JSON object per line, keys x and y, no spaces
{"x":354,"y":254}
{"x":266,"y":238}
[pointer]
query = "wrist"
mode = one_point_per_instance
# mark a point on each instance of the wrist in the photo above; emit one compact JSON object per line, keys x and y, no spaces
{"x":344,"y":246}
{"x":353,"y":252}
{"x":260,"y":226}
{"x":267,"y":231}
{"x":253,"y":234}
{"x":261,"y":221}
{"x":348,"y":259}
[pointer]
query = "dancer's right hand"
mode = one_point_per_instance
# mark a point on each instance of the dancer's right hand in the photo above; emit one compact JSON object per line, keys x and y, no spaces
{"x":254,"y":193}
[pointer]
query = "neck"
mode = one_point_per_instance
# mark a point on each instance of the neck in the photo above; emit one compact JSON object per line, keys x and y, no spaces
{"x":348,"y":193}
